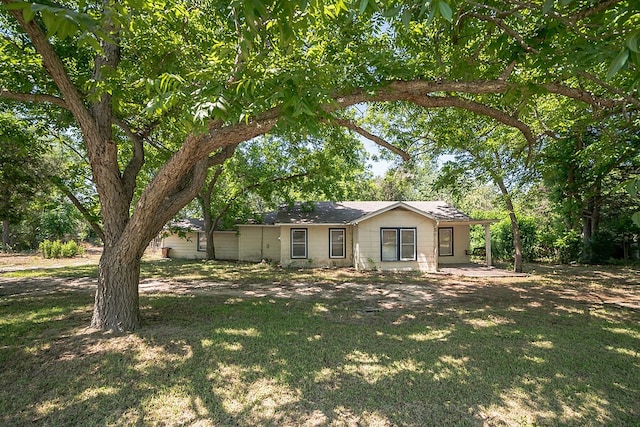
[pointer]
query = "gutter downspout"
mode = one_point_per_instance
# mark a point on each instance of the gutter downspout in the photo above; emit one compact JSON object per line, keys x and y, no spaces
{"x":261,"y":243}
{"x":436,"y":243}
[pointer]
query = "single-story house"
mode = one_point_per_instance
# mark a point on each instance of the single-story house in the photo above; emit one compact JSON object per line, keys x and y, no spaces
{"x":417,"y":235}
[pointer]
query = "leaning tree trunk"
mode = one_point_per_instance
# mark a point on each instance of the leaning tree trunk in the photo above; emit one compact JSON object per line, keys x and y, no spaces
{"x":117,"y":302}
{"x":208,"y":231}
{"x":515,"y":227}
{"x":517,"y":242}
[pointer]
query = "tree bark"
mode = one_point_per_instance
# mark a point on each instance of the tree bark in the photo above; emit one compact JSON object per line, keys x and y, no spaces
{"x":515,"y":227}
{"x":116,"y":306}
{"x":208,"y":229}
{"x":517,"y":241}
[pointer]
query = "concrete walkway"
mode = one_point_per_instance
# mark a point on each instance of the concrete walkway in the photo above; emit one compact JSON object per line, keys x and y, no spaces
{"x":477,"y":270}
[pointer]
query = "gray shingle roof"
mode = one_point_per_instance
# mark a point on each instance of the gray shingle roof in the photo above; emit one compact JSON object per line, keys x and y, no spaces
{"x":338,"y":213}
{"x":189,"y":224}
{"x":348,"y":212}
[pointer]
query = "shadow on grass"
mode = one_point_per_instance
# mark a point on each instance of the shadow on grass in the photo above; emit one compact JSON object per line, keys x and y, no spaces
{"x":501,"y":358}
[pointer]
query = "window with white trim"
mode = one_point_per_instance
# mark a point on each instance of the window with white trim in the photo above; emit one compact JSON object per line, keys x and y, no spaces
{"x":445,"y":241}
{"x":397,"y":244}
{"x":298,"y":243}
{"x":337,"y":243}
{"x":202,"y":242}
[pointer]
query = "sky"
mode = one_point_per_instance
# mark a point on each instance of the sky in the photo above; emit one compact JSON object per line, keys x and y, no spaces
{"x":380,"y":166}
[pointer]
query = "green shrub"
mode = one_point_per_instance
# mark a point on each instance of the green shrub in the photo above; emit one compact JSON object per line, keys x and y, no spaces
{"x":45,"y":248}
{"x":601,"y":247}
{"x":569,"y":246}
{"x":57,"y":249}
{"x":70,"y":249}
{"x":502,"y":239}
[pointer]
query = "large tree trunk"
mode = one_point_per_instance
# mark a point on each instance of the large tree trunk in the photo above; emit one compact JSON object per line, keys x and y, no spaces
{"x":116,"y":303}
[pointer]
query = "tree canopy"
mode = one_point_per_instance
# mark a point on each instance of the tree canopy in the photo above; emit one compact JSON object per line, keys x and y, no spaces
{"x":162,"y":91}
{"x":21,"y":165}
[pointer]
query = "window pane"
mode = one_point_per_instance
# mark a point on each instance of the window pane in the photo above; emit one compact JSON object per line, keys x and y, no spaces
{"x":407,"y":244}
{"x":298,"y":251}
{"x":298,"y":236}
{"x":389,"y":245}
{"x":408,"y":237}
{"x":202,"y":241}
{"x":298,"y":243}
{"x":337,"y":244}
{"x":445,"y":241}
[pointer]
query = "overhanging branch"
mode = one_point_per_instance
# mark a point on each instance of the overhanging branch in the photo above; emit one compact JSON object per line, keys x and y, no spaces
{"x":374,"y":138}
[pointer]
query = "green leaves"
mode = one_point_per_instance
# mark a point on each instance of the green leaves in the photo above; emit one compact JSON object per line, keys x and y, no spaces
{"x":445,"y":10}
{"x":618,"y":62}
{"x":363,"y":6}
{"x":632,"y":41}
{"x":61,"y":22}
{"x":216,"y":110}
{"x":547,"y":6}
{"x":633,"y":188}
{"x":406,"y":12}
{"x":167,"y":89}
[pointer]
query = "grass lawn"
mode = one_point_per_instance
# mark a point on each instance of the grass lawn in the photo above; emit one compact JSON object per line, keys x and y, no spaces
{"x":241,"y":344}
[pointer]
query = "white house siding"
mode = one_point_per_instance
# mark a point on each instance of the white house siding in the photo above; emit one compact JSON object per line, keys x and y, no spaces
{"x":461,"y":242}
{"x":258,"y":242}
{"x":367,"y":235}
{"x":317,"y":247}
{"x":226,"y":244}
{"x":183,"y":247}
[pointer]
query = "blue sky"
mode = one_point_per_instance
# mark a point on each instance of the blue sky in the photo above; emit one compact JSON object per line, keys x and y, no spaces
{"x":379,"y":167}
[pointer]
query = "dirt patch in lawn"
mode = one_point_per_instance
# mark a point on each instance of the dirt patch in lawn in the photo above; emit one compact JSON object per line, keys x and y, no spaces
{"x":591,"y":286}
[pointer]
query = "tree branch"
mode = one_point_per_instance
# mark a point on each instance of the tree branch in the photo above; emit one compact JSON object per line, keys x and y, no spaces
{"x":609,"y":87}
{"x":88,"y":216}
{"x":74,"y":100}
{"x":187,"y":189}
{"x":503,"y":25}
{"x":507,"y":71}
{"x":222,"y":156}
{"x":197,"y":147}
{"x":374,"y":138}
{"x":33,"y":97}
{"x":597,"y":8}
{"x":130,"y":173}
{"x":475,"y":107}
